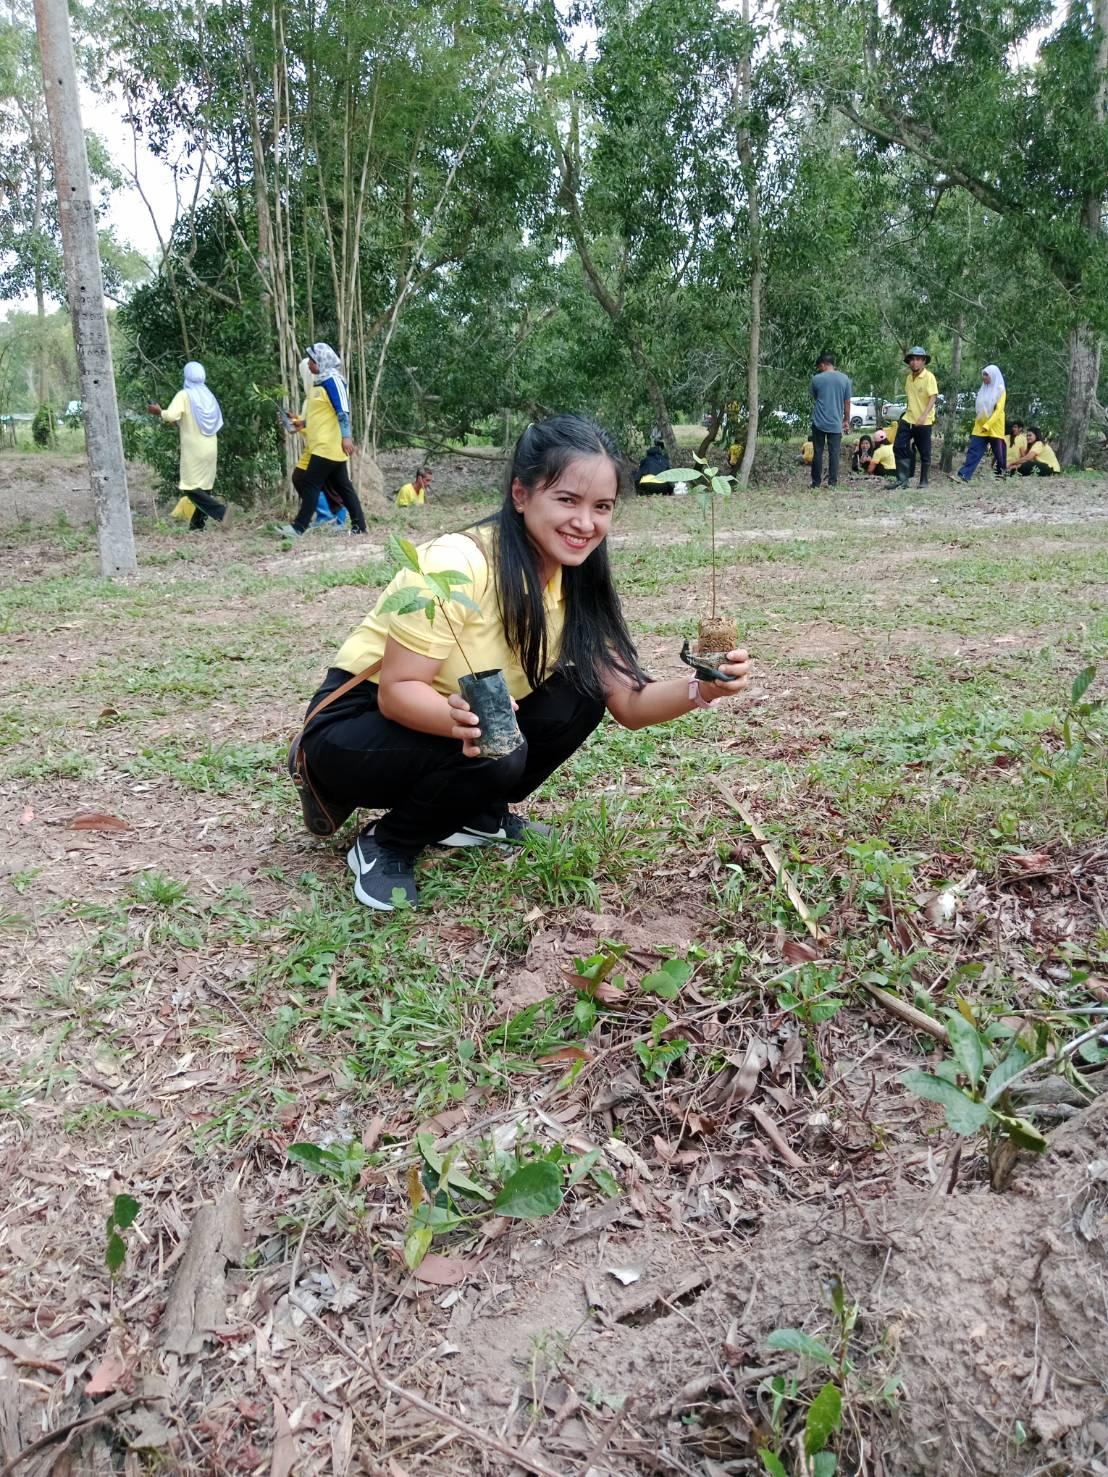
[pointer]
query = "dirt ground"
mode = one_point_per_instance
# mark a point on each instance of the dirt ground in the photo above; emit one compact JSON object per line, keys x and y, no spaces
{"x":186,"y":991}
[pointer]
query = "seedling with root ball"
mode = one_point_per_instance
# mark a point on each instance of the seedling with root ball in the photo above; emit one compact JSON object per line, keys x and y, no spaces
{"x":717,"y":635}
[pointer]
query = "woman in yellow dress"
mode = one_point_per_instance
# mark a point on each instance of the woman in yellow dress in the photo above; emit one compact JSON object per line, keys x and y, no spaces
{"x":195,"y":411}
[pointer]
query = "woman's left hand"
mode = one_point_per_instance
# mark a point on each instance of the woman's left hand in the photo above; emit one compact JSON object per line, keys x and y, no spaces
{"x":736,"y":665}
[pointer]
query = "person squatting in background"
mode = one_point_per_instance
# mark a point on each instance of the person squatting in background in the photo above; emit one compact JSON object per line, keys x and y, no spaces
{"x":830,"y":391}
{"x":882,"y":462}
{"x":653,"y":462}
{"x":1017,"y":442}
{"x":196,"y":413}
{"x":413,"y":493}
{"x":861,"y":454}
{"x":1038,"y":459}
{"x":545,"y":612}
{"x":988,"y":428}
{"x":913,"y":432}
{"x":329,"y":446}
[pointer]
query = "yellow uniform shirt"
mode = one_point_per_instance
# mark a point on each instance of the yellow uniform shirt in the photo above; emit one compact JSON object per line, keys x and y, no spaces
{"x":410,"y":496}
{"x":807,"y":453}
{"x":481,"y":631}
{"x":992,"y":425}
{"x":891,"y":430}
{"x":198,"y":452}
{"x":1043,"y":453}
{"x":918,"y":389}
{"x":734,"y":453}
{"x":883,"y":456}
{"x":1018,"y":446}
{"x":321,"y":427}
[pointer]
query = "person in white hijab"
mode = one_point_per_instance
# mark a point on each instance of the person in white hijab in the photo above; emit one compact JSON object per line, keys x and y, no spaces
{"x":988,"y":428}
{"x":326,"y":424}
{"x":195,"y":412}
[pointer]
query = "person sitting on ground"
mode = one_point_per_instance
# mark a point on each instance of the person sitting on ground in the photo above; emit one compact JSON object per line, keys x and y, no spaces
{"x":807,"y":453}
{"x":1017,"y":443}
{"x":541,"y":606}
{"x":653,"y":462}
{"x":1038,"y":460}
{"x":326,"y":424}
{"x":988,"y":428}
{"x":883,"y":461}
{"x":411,"y":495}
{"x":196,"y":413}
{"x":861,"y":454}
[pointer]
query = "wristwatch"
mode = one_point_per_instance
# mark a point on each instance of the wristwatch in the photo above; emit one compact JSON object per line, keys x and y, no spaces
{"x":696,"y":697}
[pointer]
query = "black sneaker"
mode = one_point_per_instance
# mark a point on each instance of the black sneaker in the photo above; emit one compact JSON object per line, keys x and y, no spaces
{"x":380,"y":872}
{"x":490,"y":829}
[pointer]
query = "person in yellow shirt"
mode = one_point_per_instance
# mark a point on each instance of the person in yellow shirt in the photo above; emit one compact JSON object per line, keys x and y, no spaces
{"x":921,"y":393}
{"x":808,"y":453}
{"x":1017,"y":443}
{"x":1039,"y":459}
{"x":988,"y":428}
{"x":882,"y":462}
{"x":412,"y":494}
{"x":539,"y":605}
{"x":196,"y":413}
{"x":326,"y":424}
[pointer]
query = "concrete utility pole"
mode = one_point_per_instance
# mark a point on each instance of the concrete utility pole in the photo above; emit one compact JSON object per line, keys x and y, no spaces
{"x":85,"y":290}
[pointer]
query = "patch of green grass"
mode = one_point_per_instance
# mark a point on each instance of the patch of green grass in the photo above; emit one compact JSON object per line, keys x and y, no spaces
{"x":216,"y":769}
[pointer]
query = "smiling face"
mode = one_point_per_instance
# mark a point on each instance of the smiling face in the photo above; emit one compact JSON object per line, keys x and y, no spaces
{"x":569,"y":517}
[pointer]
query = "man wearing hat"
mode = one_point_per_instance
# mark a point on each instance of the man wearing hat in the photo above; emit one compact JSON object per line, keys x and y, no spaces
{"x":921,"y":391}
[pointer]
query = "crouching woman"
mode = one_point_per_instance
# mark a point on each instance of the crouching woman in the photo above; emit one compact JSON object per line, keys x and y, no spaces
{"x":546,"y":613}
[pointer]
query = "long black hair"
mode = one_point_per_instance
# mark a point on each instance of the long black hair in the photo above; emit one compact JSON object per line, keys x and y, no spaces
{"x":595,"y":637}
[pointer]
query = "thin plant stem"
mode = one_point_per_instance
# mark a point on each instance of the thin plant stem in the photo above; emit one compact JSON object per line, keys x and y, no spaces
{"x":457,"y":639}
{"x":712,"y":503}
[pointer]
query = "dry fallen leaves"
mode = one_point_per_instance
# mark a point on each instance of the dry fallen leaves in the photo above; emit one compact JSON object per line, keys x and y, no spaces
{"x":444,"y":1271}
{"x":96,"y":820}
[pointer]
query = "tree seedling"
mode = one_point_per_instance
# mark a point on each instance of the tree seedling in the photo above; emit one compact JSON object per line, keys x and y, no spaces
{"x":717,"y":635}
{"x":121,"y":1217}
{"x":486,"y":692}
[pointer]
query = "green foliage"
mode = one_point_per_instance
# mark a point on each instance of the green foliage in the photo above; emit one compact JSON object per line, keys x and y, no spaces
{"x":121,"y":1217}
{"x":42,"y":427}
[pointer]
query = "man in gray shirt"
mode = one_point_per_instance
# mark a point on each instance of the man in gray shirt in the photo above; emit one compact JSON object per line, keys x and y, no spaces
{"x":830,"y":417}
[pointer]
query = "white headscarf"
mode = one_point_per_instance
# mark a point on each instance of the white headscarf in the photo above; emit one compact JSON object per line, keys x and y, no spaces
{"x":205,"y":407}
{"x":327,"y":362}
{"x":990,"y":393}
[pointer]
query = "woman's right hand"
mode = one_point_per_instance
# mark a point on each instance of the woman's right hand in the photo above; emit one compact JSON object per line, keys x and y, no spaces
{"x":465,"y":725}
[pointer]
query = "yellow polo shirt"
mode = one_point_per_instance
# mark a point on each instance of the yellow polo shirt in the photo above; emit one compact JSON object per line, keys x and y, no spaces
{"x":884,"y":457}
{"x":410,"y":496}
{"x":1042,"y":452}
{"x":1018,"y":446}
{"x":321,"y":427}
{"x":918,"y":389}
{"x":808,"y":453}
{"x":480,"y":631}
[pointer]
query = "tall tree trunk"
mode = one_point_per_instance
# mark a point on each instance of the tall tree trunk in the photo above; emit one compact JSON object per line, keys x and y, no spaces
{"x":950,"y":419}
{"x":1084,"y":366}
{"x":754,"y":226}
{"x":1081,"y":386}
{"x":85,"y":291}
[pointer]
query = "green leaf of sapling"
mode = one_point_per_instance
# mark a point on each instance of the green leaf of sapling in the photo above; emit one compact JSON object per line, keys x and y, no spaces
{"x":124,"y":1210}
{"x":533,"y":1191}
{"x":963,"y":1114}
{"x":403,"y":552}
{"x":823,"y":1419}
{"x":795,"y":1341}
{"x":966,"y":1046}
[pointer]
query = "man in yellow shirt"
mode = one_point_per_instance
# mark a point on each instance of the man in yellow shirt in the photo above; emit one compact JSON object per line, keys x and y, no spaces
{"x":921,"y":392}
{"x":412,"y":494}
{"x":1017,"y":442}
{"x":1038,"y":460}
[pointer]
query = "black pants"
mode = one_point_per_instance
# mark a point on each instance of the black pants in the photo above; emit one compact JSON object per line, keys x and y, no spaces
{"x":321,"y":472}
{"x":833,"y":440}
{"x":206,"y":507}
{"x":426,"y":784}
{"x":334,"y":499}
{"x":1029,"y":469}
{"x":909,"y":440}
